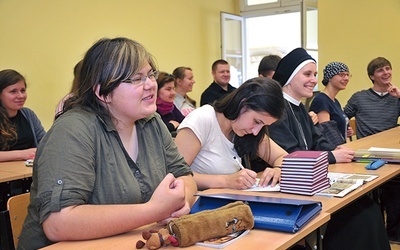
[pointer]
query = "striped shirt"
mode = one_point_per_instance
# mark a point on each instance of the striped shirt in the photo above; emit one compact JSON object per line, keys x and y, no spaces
{"x":374,"y":113}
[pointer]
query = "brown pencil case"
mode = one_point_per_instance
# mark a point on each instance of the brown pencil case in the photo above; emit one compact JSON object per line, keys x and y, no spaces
{"x":208,"y":224}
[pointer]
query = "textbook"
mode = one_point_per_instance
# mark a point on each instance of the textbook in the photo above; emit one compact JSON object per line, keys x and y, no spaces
{"x":221,"y":242}
{"x":305,"y":156}
{"x":341,"y":184}
{"x":391,"y":155}
{"x":304,"y":172}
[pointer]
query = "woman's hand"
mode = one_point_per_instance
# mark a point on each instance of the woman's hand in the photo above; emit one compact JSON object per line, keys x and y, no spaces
{"x":343,"y":154}
{"x":28,"y":154}
{"x":243,"y":179}
{"x":350,"y":132}
{"x":270,"y":176}
{"x":314,"y":117}
{"x":169,"y":197}
{"x":175,"y":123}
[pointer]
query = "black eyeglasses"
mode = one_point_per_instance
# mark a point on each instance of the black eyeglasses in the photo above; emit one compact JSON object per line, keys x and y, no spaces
{"x":139,"y":80}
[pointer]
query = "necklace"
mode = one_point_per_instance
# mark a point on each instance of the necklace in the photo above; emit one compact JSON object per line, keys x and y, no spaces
{"x":299,"y":126}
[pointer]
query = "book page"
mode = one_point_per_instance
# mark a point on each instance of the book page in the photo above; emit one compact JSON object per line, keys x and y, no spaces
{"x":342,"y":184}
{"x":350,"y":178}
{"x":339,"y":189}
{"x":221,"y":242}
{"x":268,"y":188}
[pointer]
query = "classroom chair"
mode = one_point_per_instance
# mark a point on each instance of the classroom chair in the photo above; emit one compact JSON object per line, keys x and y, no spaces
{"x":352,"y":123}
{"x":11,"y":220}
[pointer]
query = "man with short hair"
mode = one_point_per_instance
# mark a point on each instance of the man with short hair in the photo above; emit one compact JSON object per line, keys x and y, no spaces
{"x":268,"y":65}
{"x":377,"y":109}
{"x":220,"y":86}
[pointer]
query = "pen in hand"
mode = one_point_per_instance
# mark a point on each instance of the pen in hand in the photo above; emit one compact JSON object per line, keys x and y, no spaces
{"x":239,"y":163}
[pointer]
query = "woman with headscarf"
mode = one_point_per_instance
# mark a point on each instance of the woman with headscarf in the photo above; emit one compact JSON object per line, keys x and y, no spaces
{"x":325,"y":104}
{"x":297,"y":74}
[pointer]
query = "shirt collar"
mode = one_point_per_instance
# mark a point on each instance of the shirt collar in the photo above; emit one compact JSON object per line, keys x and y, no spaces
{"x":291,"y":99}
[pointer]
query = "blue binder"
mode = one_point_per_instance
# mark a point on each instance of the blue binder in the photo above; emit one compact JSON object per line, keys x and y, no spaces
{"x":277,"y":214}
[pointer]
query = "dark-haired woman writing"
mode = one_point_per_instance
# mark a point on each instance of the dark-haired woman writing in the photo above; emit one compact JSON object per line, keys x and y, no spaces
{"x":211,"y":138}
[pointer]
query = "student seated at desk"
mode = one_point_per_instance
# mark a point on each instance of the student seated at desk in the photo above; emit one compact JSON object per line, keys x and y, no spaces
{"x":297,"y":75}
{"x":378,"y":109}
{"x":169,"y":113}
{"x":211,"y":138}
{"x":21,"y":130}
{"x":325,"y":104}
{"x":359,"y":225}
{"x":184,"y":81}
{"x":107,"y":165}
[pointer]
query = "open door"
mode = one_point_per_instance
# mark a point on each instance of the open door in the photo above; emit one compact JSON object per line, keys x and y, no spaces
{"x":232,"y":45}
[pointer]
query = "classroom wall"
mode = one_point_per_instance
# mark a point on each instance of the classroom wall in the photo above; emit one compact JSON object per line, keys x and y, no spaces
{"x":44,"y":39}
{"x":355,"y":32}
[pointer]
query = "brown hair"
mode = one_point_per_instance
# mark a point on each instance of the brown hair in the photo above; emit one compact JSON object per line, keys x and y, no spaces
{"x":217,"y":62}
{"x":8,"y":131}
{"x":107,"y":63}
{"x":164,"y":78}
{"x":179,"y":73}
{"x":377,"y":63}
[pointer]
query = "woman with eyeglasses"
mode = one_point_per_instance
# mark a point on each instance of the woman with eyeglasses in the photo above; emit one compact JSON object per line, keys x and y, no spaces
{"x":21,"y":130}
{"x":325,"y":104}
{"x":107,"y":165}
{"x":169,"y":113}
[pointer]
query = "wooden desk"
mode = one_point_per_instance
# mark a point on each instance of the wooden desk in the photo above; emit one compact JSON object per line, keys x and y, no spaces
{"x":264,"y":239}
{"x":386,"y":139}
{"x":15,"y":178}
{"x":14,"y":170}
{"x":255,"y":239}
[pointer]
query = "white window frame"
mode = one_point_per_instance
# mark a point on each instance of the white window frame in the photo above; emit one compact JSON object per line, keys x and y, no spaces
{"x":279,"y":7}
{"x":225,"y":39}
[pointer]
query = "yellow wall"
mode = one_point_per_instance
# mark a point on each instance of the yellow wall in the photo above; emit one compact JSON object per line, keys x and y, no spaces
{"x":355,"y":32}
{"x":44,"y":39}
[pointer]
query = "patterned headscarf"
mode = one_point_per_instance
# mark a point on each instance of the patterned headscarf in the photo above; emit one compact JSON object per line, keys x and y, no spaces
{"x":333,"y":69}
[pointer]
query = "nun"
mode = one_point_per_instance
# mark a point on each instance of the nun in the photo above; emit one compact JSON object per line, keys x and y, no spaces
{"x":359,"y":225}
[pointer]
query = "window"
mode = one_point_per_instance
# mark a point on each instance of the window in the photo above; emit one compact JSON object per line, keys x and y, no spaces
{"x":271,"y":27}
{"x":232,"y":36}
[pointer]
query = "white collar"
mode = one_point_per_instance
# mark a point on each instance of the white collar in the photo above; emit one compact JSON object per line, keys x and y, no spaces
{"x":380,"y":93}
{"x":291,"y":99}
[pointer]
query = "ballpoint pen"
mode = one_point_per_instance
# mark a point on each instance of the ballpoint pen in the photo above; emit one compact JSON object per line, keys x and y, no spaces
{"x":239,"y":163}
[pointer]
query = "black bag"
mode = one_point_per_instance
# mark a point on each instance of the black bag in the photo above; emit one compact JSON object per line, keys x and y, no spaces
{"x":331,"y":132}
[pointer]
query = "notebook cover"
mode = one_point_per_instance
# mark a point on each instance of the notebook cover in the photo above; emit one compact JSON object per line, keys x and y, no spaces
{"x":278,"y":214}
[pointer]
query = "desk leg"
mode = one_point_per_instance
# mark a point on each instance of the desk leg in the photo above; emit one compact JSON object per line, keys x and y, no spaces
{"x":314,"y":239}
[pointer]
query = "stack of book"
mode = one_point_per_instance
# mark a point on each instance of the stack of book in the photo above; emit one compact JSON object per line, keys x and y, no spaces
{"x":305,"y":172}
